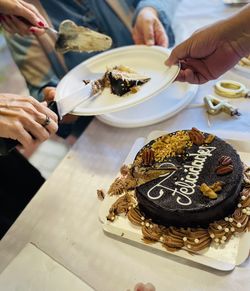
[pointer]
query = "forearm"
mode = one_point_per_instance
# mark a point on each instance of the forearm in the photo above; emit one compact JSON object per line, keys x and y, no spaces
{"x":238,"y":26}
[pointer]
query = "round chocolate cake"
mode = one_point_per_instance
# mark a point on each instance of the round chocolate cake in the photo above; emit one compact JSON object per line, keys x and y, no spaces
{"x":188,"y":179}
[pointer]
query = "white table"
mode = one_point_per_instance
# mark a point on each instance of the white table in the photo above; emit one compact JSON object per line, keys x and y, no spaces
{"x":62,"y":220}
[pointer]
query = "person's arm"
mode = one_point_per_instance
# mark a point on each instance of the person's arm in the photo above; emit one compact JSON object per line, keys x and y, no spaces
{"x":152,"y":22}
{"x":17,"y":16}
{"x":25,"y":119}
{"x":213,"y":50}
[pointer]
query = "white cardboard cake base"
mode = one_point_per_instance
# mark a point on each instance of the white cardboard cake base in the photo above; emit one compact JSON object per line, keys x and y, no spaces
{"x":223,"y":257}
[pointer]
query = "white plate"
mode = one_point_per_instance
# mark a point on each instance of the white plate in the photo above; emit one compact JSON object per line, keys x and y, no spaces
{"x":243,"y":69}
{"x":235,"y":2}
{"x":223,"y":258}
{"x":145,"y":60}
{"x":162,"y":106}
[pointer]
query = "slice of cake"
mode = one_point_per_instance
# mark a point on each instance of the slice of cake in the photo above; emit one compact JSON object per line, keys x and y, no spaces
{"x":122,"y":79}
{"x":185,"y":189}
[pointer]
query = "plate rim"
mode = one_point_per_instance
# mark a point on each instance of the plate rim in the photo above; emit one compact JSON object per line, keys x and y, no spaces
{"x":242,"y":69}
{"x":193,"y":91}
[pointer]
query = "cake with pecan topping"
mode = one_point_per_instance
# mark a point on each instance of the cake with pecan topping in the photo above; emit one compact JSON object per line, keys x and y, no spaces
{"x":204,"y":187}
{"x":186,"y":190}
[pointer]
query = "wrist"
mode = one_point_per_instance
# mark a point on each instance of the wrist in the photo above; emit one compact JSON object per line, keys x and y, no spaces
{"x":239,"y":29}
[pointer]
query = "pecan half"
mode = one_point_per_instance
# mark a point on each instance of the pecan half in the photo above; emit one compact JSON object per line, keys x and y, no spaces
{"x":148,"y":157}
{"x":196,"y":136}
{"x":224,"y":170}
{"x":209,"y":138}
{"x":225,"y":160}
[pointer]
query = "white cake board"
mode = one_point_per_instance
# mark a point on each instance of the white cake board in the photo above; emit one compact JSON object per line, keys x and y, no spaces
{"x":223,"y":258}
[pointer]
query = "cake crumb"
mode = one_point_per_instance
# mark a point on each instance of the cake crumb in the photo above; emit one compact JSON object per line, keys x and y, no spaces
{"x":100,"y":194}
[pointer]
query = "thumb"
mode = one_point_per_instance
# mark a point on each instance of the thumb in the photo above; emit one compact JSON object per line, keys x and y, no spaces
{"x":177,"y":54}
{"x":49,"y":94}
{"x":148,"y":34}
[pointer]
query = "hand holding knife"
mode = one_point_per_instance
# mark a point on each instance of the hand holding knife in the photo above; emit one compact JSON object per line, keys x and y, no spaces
{"x":61,"y":107}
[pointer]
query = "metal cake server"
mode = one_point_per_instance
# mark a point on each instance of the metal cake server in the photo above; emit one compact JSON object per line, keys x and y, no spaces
{"x":71,"y":37}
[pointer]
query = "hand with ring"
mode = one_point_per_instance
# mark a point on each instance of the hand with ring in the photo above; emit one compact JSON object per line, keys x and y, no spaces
{"x":26,"y":120}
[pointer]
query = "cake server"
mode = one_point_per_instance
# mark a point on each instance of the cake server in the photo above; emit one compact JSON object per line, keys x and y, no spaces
{"x":71,"y":37}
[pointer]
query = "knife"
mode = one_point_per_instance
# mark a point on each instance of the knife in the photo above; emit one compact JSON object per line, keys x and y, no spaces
{"x":66,"y":104}
{"x":61,"y":107}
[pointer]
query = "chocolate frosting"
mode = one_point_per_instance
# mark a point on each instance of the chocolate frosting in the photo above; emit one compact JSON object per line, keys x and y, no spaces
{"x":175,"y":199}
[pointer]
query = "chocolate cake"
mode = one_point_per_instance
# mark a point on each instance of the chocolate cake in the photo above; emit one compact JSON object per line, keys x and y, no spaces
{"x":176,"y":198}
{"x":186,"y":190}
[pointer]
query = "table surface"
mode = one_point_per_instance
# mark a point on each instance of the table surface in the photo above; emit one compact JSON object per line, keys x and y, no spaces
{"x":62,"y":219}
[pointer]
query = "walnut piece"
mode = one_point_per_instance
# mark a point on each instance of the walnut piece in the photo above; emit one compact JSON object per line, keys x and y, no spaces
{"x":207,"y":191}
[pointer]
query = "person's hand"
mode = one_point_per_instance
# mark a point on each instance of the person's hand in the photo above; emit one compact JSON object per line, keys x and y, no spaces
{"x":213,"y":50}
{"x":49,"y":94}
{"x":144,"y":287}
{"x":17,"y":16}
{"x":25,"y":119}
{"x":148,"y":29}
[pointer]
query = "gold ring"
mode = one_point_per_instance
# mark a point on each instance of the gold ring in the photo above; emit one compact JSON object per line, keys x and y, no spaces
{"x":46,"y":121}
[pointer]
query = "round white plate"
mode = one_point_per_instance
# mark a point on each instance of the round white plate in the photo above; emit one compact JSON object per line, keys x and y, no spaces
{"x":243,"y":69}
{"x":145,"y":60}
{"x":160,"y":107}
